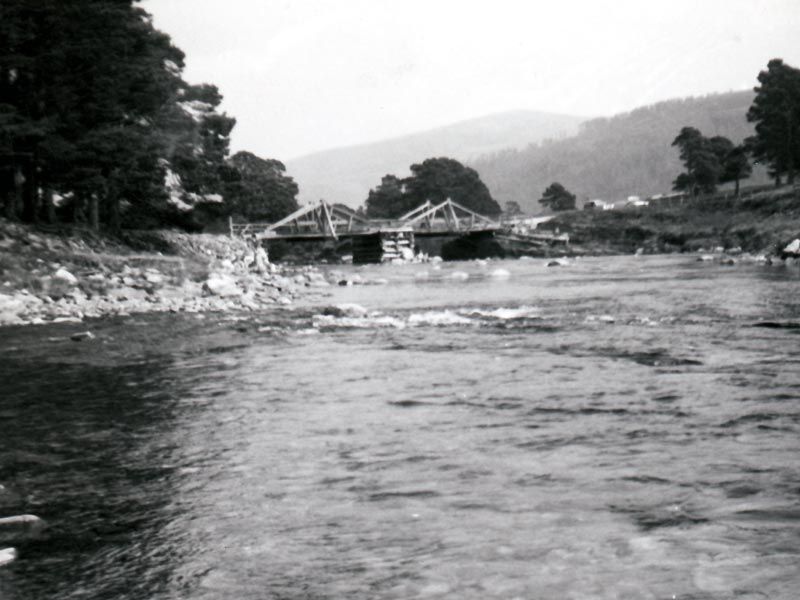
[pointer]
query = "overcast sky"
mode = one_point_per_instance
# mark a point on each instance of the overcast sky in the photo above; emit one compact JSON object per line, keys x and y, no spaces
{"x":307,"y":75}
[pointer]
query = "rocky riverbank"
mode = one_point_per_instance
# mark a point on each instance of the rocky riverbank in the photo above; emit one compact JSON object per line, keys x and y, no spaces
{"x":68,"y":275}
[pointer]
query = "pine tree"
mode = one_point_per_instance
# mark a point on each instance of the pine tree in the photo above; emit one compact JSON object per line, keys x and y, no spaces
{"x":776,"y":114}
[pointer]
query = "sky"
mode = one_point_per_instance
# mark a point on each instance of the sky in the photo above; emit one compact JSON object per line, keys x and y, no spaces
{"x":302,"y":76}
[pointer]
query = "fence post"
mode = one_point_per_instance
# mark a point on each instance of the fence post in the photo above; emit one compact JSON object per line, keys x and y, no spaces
{"x":230,"y":226}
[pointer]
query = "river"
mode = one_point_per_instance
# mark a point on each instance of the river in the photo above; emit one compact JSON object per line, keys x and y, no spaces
{"x":616,"y":428}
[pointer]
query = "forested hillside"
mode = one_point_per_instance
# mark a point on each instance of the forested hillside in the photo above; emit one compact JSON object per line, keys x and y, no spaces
{"x":346,"y":174}
{"x":612,"y":158}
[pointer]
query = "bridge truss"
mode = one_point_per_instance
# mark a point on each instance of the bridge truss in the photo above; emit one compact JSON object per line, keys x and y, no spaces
{"x":326,"y":221}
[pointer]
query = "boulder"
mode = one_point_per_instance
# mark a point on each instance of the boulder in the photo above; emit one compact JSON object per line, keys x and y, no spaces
{"x":83,"y":335}
{"x":7,"y":555}
{"x":65,"y":276}
{"x":793,"y":248}
{"x":223,"y":285}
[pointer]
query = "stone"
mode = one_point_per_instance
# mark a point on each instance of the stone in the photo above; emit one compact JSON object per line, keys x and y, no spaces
{"x":63,"y":275}
{"x":793,"y":248}
{"x":223,"y":285}
{"x":81,"y":336}
{"x":7,"y":555}
{"x":154,"y":277}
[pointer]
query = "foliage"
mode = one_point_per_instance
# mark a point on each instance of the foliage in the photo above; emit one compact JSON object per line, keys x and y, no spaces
{"x":94,"y":111}
{"x":258,"y":189}
{"x":708,"y":162}
{"x":557,"y":198}
{"x":435,"y":179}
{"x":776,"y":114}
{"x":389,"y":199}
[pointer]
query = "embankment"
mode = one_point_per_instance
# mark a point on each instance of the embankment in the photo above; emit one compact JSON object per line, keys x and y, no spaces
{"x":51,"y":275}
{"x":761,"y":223}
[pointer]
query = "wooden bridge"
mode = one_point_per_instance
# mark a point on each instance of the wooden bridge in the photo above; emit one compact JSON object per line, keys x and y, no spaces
{"x":374,"y":240}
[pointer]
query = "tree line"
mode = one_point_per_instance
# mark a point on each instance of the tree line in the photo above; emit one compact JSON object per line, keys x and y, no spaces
{"x":711,"y":161}
{"x":775,"y":111}
{"x":98,"y":126}
{"x":434,"y":179}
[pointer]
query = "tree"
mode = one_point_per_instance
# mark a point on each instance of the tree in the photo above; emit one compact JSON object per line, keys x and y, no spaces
{"x":389,"y":199}
{"x":736,"y":166}
{"x":93,"y":106}
{"x":557,"y":198}
{"x":258,"y":189}
{"x":701,"y":156}
{"x":437,"y":179}
{"x":776,"y":114}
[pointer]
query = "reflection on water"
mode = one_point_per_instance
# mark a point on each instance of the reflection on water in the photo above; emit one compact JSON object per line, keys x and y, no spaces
{"x":624,"y":428}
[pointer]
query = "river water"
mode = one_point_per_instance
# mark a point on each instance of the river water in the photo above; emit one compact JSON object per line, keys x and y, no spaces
{"x":615,"y":428}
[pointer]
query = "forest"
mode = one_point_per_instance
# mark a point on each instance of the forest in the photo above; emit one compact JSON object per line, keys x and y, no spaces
{"x":98,"y":127}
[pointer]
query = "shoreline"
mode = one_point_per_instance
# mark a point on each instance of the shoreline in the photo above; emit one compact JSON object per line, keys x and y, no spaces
{"x":69,"y":276}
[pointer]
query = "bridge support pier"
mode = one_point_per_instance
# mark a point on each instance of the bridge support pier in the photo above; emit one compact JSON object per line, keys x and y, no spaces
{"x":383,"y":246}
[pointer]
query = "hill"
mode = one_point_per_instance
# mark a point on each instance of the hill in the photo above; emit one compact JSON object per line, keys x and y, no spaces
{"x":346,"y":174}
{"x":613,"y":158}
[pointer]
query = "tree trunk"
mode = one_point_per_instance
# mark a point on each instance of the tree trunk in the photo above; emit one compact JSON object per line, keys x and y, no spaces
{"x":30,"y":195}
{"x":15,"y":199}
{"x":49,"y":208}
{"x":112,"y":202}
{"x":94,"y":212}
{"x":77,"y":209}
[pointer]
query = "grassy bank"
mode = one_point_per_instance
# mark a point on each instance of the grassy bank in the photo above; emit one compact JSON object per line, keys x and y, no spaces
{"x":762,"y":223}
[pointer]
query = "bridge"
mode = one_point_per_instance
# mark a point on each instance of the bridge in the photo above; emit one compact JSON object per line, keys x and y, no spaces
{"x":374,"y":240}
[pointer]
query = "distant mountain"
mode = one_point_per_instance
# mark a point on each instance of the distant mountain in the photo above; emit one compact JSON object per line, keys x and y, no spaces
{"x":346,"y":174}
{"x":613,"y":158}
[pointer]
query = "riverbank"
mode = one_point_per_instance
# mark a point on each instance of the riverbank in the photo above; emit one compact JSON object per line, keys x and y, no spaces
{"x":65,"y":274}
{"x":762,"y":224}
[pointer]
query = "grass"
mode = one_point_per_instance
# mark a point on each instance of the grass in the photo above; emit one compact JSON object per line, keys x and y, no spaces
{"x":763,"y":222}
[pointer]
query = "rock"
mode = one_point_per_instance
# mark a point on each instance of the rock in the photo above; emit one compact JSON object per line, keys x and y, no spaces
{"x":793,"y":248}
{"x":458,"y":276}
{"x":7,"y":555}
{"x":727,"y":260}
{"x":223,"y":285}
{"x":21,"y":522}
{"x":154,"y":277}
{"x":83,"y":335}
{"x":345,"y":310}
{"x":63,"y":275}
